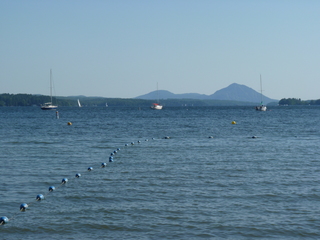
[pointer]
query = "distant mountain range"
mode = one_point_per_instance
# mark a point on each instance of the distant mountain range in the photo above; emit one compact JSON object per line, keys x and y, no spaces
{"x":234,"y":92}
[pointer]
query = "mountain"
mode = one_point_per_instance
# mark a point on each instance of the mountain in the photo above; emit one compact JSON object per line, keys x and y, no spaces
{"x":234,"y":92}
{"x":164,"y":94}
{"x":238,"y":92}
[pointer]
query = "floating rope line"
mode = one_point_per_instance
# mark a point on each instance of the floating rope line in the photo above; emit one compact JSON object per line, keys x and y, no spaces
{"x":24,"y":206}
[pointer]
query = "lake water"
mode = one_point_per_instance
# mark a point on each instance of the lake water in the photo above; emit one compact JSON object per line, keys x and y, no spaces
{"x":230,"y":186}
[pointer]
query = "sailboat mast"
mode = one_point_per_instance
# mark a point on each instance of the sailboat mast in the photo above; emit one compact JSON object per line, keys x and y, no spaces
{"x":261,"y":88}
{"x":157,"y":93}
{"x":51,"y":85}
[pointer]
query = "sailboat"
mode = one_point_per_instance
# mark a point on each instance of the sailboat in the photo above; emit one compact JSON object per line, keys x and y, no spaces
{"x":49,"y":105}
{"x":79,"y":104}
{"x":261,"y":107}
{"x":156,"y":106}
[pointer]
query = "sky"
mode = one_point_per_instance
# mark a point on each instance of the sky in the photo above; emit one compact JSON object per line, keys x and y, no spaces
{"x":125,"y":48}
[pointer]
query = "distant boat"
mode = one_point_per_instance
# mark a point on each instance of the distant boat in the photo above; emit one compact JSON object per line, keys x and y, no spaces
{"x":261,"y":107}
{"x":157,"y":106}
{"x":49,"y":105}
{"x":106,"y":104}
{"x":79,"y":104}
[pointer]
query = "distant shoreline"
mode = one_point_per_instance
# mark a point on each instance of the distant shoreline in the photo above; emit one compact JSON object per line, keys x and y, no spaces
{"x":37,"y":100}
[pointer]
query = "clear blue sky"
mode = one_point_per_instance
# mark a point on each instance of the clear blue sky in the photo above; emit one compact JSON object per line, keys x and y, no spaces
{"x":117,"y":48}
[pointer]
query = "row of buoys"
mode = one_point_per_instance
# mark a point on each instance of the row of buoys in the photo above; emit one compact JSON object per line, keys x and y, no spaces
{"x":40,"y":197}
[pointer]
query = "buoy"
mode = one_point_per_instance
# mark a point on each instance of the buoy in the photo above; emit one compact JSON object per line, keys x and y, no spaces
{"x":64,"y":180}
{"x":52,"y":188}
{"x":112,"y":154}
{"x":110,"y":159}
{"x":3,"y":220}
{"x":90,"y":168}
{"x":139,"y":142}
{"x":115,"y":151}
{"x":167,"y":137}
{"x":254,"y":136}
{"x":118,"y":149}
{"x":103,"y":165}
{"x":23,"y":207}
{"x":146,"y":140}
{"x":132,"y":143}
{"x":126,"y":145}
{"x":69,"y":123}
{"x":233,"y":122}
{"x":78,"y":175}
{"x":210,"y":137}
{"x":39,"y":197}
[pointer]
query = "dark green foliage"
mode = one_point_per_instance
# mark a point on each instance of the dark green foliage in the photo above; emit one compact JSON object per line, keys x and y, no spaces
{"x":7,"y":99}
{"x":37,"y":100}
{"x":298,"y":101}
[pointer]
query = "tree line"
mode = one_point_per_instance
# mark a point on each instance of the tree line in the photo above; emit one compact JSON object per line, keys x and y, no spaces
{"x":7,"y":100}
{"x":37,"y":100}
{"x":298,"y":101}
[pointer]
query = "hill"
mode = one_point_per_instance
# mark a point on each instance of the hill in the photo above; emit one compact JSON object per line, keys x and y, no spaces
{"x":164,"y":94}
{"x":234,"y":92}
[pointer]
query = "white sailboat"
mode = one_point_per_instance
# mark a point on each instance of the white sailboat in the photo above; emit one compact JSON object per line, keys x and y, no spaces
{"x":49,"y":105}
{"x":157,"y":106}
{"x":79,"y":104}
{"x":261,"y":107}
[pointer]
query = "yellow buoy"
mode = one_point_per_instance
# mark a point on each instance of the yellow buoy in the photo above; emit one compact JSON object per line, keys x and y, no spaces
{"x":69,"y":123}
{"x":233,"y":122}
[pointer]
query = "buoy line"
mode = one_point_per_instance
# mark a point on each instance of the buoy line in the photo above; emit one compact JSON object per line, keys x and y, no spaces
{"x":51,"y":189}
{"x":24,"y":206}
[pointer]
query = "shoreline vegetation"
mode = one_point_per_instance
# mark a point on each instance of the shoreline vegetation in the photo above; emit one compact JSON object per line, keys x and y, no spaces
{"x":8,"y":100}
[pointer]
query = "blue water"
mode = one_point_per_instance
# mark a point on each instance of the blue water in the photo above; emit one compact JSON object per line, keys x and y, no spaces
{"x":187,"y":187}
